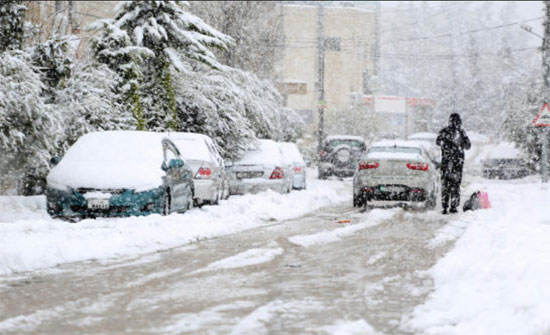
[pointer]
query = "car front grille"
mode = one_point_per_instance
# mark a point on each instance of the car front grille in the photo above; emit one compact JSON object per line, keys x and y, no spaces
{"x":84,"y":190}
{"x":112,"y":209}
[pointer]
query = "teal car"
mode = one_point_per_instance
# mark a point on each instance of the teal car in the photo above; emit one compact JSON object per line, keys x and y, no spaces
{"x":119,"y":174}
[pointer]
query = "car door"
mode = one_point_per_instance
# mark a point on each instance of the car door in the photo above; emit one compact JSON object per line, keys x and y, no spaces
{"x":178,"y":179}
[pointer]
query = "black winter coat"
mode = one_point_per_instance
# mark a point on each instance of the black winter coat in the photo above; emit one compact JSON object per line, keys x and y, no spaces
{"x":453,"y":141}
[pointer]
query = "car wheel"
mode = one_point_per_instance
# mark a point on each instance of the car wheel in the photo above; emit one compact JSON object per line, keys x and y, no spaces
{"x":322,"y":175}
{"x":358,"y":201}
{"x":190,"y":201}
{"x":167,"y":203}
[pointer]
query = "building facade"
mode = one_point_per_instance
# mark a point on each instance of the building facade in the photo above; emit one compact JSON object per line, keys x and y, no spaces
{"x":337,"y":43}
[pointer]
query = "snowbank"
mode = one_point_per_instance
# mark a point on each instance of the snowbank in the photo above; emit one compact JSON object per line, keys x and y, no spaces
{"x":495,"y":280}
{"x":30,"y":240}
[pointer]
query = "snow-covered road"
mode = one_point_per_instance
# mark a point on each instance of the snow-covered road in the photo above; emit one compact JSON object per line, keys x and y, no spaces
{"x":261,"y":267}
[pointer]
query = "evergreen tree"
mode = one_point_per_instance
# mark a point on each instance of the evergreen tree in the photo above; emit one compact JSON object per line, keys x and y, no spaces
{"x":12,"y":14}
{"x":29,"y":128}
{"x":175,"y":37}
{"x":51,"y":60}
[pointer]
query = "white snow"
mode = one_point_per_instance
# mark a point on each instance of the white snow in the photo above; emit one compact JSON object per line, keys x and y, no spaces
{"x":373,"y":218}
{"x":291,"y":153}
{"x":250,"y":257}
{"x":495,"y":279}
{"x":30,"y":240}
{"x":266,"y":152}
{"x":344,"y":327}
{"x":111,"y":160}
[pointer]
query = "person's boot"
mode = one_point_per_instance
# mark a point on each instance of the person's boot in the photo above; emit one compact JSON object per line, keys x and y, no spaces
{"x":453,"y":210}
{"x":444,"y":211}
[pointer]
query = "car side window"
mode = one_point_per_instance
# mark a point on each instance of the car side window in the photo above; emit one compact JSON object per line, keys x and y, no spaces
{"x":170,"y":152}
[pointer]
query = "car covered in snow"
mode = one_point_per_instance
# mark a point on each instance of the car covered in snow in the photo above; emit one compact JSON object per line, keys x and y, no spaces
{"x":119,"y":173}
{"x":296,"y":163}
{"x":209,"y":178}
{"x":395,"y":172}
{"x":340,"y":155}
{"x":504,"y":161}
{"x":261,"y":168}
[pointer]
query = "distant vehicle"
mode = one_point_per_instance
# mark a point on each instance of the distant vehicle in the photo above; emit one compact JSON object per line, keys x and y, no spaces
{"x":340,"y":155}
{"x":504,"y":161}
{"x":209,"y":178}
{"x":396,"y":172}
{"x":261,"y":168}
{"x":292,"y":155}
{"x":119,"y":173}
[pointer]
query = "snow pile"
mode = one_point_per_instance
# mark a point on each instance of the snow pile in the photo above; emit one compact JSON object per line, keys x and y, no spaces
{"x":495,"y":280}
{"x":30,"y":240}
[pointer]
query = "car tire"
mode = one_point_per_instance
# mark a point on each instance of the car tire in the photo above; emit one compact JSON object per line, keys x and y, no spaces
{"x":358,"y":201}
{"x":322,"y":175}
{"x":167,"y":203}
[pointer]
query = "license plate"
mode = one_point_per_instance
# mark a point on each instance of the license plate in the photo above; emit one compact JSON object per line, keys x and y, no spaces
{"x":98,"y":203}
{"x":392,"y":189}
{"x":249,"y":174}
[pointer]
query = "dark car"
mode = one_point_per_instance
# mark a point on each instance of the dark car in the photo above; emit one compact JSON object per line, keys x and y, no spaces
{"x":340,"y":155}
{"x":119,"y":173}
{"x":504,"y":168}
{"x":504,"y":161}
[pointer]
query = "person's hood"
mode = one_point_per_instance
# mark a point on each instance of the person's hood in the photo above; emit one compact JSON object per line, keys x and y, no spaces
{"x":455,"y":121}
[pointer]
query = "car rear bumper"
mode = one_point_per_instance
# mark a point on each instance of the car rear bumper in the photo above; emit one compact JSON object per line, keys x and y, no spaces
{"x":244,"y":186}
{"x":205,"y":190}
{"x":409,"y":196}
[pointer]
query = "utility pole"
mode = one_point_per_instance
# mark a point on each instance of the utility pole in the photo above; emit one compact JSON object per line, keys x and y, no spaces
{"x":321,"y":75}
{"x":378,"y":16}
{"x":546,"y":94}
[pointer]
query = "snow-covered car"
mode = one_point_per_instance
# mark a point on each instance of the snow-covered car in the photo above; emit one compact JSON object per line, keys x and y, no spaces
{"x":396,"y":172}
{"x":293,"y":157}
{"x":209,"y":178}
{"x":504,"y":161}
{"x":119,"y":173}
{"x":340,"y":155}
{"x":261,"y":168}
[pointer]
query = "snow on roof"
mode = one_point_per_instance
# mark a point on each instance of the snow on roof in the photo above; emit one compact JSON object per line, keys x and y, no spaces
{"x":266,"y":152}
{"x":111,"y":160}
{"x":504,"y":150}
{"x":291,"y":153}
{"x":345,"y":137}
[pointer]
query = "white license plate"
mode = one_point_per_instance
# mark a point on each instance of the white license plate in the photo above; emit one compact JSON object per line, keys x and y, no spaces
{"x":98,"y":203}
{"x":249,"y":174}
{"x":392,"y":189}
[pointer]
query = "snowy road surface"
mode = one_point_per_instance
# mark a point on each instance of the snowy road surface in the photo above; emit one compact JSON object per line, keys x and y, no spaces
{"x":309,"y":275}
{"x":302,"y":263}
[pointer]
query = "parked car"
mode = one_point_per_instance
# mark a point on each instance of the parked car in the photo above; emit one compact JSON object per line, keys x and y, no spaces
{"x":504,"y":161}
{"x":294,"y":158}
{"x":340,"y":155}
{"x":261,"y":168}
{"x":396,"y":172}
{"x":209,"y":178}
{"x":119,"y":173}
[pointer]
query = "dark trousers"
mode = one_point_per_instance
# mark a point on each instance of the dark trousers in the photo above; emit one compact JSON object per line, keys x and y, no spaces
{"x":450,"y":191}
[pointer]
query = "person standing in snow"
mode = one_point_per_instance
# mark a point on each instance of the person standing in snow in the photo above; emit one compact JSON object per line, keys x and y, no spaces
{"x":453,"y":141}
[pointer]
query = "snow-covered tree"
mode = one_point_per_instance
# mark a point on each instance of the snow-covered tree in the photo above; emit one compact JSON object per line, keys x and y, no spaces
{"x":89,"y":103}
{"x":114,"y":48}
{"x":51,"y":60}
{"x":12,"y":14}
{"x":29,"y":128}
{"x":175,"y":37}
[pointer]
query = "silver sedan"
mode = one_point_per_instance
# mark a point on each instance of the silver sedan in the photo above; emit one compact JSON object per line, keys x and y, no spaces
{"x":396,"y":173}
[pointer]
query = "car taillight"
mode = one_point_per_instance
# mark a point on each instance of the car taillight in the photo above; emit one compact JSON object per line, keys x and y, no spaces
{"x":278,"y":173}
{"x":323,"y":153}
{"x":297,"y":170}
{"x":368,"y":165}
{"x":418,"y":166}
{"x":203,"y":173}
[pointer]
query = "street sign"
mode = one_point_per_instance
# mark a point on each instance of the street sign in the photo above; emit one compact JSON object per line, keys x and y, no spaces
{"x":543,"y":117}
